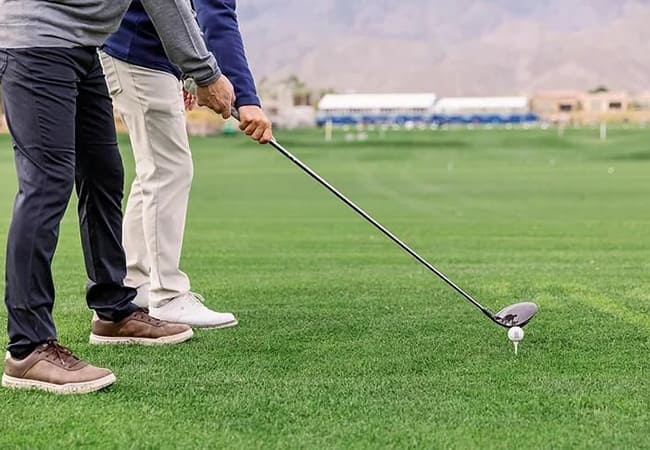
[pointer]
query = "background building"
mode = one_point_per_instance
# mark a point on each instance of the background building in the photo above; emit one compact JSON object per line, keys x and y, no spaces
{"x":484,"y":110}
{"x":588,"y":108}
{"x":289,"y":103}
{"x":605,"y":102}
{"x":556,"y":106}
{"x":399,"y":109}
{"x":352,"y":109}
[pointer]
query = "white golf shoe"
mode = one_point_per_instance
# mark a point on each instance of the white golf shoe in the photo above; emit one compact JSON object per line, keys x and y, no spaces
{"x":142,"y":299}
{"x":189,"y":309}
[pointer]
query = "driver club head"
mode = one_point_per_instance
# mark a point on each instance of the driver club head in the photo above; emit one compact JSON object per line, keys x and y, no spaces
{"x":517,"y":315}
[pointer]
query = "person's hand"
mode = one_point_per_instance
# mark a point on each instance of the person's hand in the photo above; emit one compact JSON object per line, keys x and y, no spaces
{"x":189,"y":99}
{"x":255,"y":124}
{"x":219,"y":96}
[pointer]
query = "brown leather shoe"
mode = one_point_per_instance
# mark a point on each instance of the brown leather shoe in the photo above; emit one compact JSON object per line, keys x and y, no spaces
{"x":139,"y":328}
{"x":53,"y":368}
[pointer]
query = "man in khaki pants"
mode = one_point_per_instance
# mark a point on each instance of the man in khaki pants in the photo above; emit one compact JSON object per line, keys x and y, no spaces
{"x":146,"y":92}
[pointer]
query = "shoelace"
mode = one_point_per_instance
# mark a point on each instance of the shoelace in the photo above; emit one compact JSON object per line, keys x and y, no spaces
{"x":198,"y":298}
{"x":142,"y":314}
{"x":61,"y":352}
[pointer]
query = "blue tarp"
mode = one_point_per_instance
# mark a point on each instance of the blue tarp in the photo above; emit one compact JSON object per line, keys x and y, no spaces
{"x":442,"y":119}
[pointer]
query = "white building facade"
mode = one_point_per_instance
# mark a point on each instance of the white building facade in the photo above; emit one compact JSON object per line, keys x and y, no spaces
{"x":352,"y":109}
{"x":356,"y":109}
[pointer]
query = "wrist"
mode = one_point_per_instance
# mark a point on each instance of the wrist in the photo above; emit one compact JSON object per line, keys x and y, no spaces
{"x":205,"y":82}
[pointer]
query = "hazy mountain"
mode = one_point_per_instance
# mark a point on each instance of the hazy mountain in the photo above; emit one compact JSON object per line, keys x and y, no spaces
{"x":451,"y":47}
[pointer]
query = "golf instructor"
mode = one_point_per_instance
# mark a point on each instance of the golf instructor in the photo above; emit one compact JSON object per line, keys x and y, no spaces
{"x":147,"y":94}
{"x":60,"y":117}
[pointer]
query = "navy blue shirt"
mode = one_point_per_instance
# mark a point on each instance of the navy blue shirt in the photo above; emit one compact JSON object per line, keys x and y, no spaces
{"x":137,"y":42}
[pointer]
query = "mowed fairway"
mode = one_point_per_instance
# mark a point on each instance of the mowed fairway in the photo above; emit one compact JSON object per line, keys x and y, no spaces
{"x":344,"y":341}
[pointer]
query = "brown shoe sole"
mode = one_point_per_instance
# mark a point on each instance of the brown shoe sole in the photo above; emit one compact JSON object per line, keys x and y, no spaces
{"x":85,"y":387}
{"x":127,"y":340}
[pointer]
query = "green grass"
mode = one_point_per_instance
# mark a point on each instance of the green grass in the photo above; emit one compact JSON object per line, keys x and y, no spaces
{"x":344,"y":341}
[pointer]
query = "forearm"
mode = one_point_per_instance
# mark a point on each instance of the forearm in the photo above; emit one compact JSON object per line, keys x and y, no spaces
{"x":218,"y":21}
{"x":182,"y":40}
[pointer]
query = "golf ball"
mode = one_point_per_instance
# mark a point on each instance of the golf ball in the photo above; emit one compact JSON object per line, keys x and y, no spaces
{"x":516,"y":334}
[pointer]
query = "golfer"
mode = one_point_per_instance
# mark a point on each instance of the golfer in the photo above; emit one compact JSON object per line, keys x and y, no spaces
{"x":61,"y":120}
{"x":147,"y":94}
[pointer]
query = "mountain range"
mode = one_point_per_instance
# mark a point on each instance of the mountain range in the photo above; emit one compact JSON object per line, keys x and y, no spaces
{"x":458,"y":47}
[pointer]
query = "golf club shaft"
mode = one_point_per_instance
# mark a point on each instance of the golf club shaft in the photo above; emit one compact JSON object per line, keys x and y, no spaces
{"x":378,"y":225}
{"x":305,"y":168}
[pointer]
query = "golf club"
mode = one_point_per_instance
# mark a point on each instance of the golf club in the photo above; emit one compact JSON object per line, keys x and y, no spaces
{"x":516,"y":315}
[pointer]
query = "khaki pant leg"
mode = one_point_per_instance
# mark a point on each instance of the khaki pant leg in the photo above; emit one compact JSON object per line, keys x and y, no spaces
{"x":151,"y":105}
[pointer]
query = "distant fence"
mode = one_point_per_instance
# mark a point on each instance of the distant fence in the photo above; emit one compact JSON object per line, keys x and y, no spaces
{"x":203,"y":122}
{"x":585,"y":118}
{"x":572,"y":118}
{"x":436,"y":119}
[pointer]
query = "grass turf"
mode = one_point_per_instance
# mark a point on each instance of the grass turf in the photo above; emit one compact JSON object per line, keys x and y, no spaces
{"x":344,"y":342}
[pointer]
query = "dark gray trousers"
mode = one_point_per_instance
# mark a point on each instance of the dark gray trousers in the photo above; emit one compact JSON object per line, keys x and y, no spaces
{"x":61,"y":121}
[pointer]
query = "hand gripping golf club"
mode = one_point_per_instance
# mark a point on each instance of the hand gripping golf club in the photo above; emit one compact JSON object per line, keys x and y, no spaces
{"x":518,"y":314}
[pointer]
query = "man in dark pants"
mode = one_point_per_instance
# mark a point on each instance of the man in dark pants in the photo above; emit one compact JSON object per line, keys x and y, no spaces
{"x":47,"y":129}
{"x":61,"y":121}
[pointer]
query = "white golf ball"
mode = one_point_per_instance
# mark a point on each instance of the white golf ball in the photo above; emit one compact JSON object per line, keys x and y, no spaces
{"x":516,"y":334}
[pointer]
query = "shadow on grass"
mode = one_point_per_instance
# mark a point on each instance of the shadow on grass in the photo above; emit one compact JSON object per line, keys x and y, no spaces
{"x":376,"y":143}
{"x":643,"y":155}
